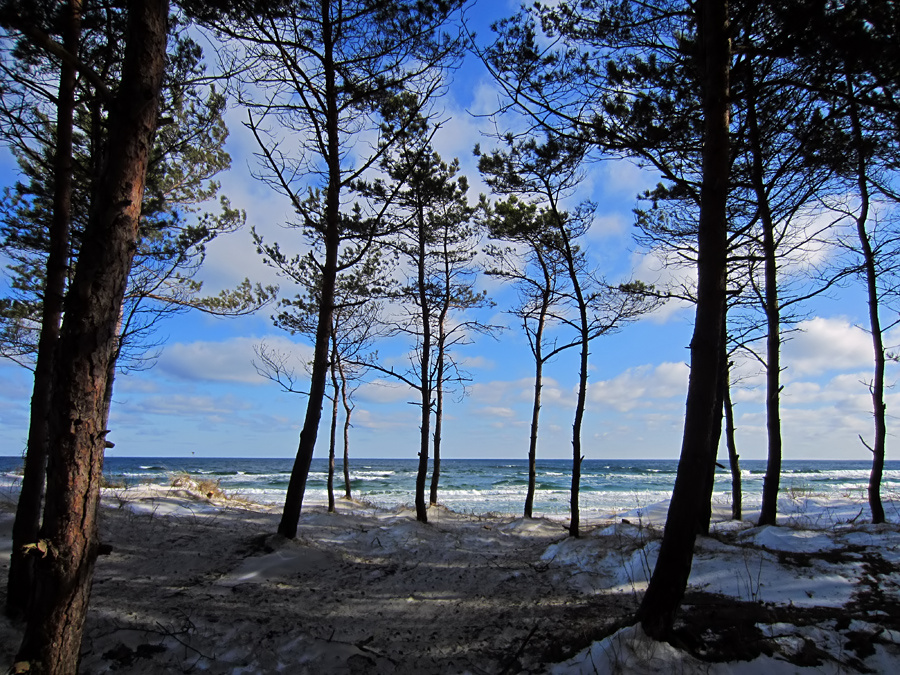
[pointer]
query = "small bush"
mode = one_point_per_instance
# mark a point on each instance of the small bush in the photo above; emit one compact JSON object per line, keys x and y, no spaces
{"x":797,"y":492}
{"x":113,"y":482}
{"x":206,"y":486}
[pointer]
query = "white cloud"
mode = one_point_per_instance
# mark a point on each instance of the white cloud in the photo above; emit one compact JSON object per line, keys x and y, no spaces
{"x":622,"y":176}
{"x":366,"y":419}
{"x":608,"y":225}
{"x":385,"y":390}
{"x":177,"y":404}
{"x":826,"y":344}
{"x":641,"y":387}
{"x":651,"y":268}
{"x":497,"y":411}
{"x":501,"y":393}
{"x":479,"y":362}
{"x":228,"y":361}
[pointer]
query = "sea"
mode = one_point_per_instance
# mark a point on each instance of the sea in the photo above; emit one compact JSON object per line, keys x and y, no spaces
{"x":488,"y":486}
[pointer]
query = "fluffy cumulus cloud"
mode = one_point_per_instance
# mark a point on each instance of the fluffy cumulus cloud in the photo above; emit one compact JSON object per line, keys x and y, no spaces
{"x":503,"y":393}
{"x":228,"y":361}
{"x":641,"y":387}
{"x":826,"y":344}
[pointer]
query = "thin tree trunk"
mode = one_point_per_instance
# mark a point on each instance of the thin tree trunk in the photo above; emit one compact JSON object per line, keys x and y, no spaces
{"x":348,"y":410}
{"x":31,"y":496}
{"x":332,"y":441}
{"x":733,"y":457}
{"x":440,"y":367}
{"x":77,"y":433}
{"x":438,"y":422}
{"x":532,"y":444}
{"x":769,"y":508}
{"x":293,"y":502}
{"x":870,"y":266}
{"x":425,"y":368}
{"x":536,"y":404}
{"x":673,"y":566}
{"x":705,"y":520}
{"x":577,"y":457}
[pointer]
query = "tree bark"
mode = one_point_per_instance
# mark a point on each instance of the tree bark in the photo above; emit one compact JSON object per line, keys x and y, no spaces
{"x":769,"y":508}
{"x":438,"y":426}
{"x":532,"y":442}
{"x":439,"y":398}
{"x":28,"y":511}
{"x":332,"y":440}
{"x":871,"y":269}
{"x":670,"y":575}
{"x":293,"y":503}
{"x":577,"y":457}
{"x":538,"y":386}
{"x":425,"y":367}
{"x":348,"y":409}
{"x":709,"y":486}
{"x":733,"y":457}
{"x":87,"y":342}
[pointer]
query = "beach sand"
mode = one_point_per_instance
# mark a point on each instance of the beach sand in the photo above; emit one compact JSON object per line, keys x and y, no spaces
{"x":203,"y":585}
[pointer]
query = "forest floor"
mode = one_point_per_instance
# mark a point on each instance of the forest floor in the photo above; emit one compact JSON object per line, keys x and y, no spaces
{"x":203,"y":585}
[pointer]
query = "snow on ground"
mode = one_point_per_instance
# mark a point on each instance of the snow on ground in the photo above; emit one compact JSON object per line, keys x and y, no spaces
{"x":199,"y":582}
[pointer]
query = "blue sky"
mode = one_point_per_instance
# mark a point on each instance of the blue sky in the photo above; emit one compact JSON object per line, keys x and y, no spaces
{"x":205,"y":398}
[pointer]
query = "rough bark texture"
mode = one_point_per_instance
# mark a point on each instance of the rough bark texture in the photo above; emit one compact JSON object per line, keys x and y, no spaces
{"x":28,"y":512}
{"x":673,"y":567}
{"x":293,"y":501}
{"x":87,"y":342}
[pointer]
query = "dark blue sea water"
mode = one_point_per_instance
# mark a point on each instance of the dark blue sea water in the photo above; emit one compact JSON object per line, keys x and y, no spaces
{"x":498,"y":486}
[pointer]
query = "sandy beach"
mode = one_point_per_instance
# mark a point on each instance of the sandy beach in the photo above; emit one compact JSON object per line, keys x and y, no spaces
{"x":195,"y":584}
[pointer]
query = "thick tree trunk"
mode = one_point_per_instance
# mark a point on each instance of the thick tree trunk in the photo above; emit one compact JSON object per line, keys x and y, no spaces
{"x":733,"y":457}
{"x":293,"y":502}
{"x":871,"y":269}
{"x":31,"y":496}
{"x":769,"y":508}
{"x":87,"y":341}
{"x":673,"y":567}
